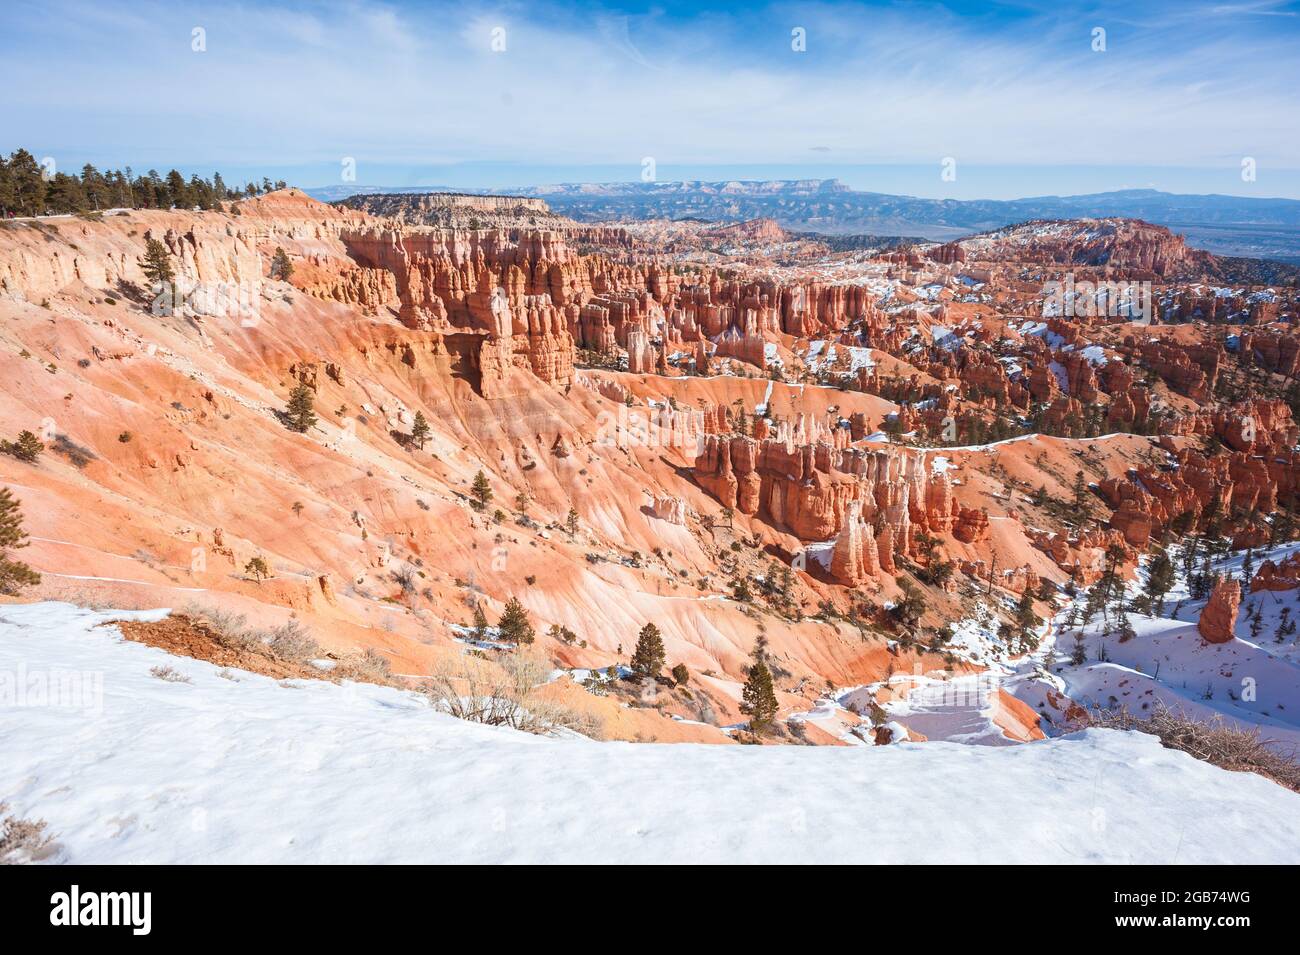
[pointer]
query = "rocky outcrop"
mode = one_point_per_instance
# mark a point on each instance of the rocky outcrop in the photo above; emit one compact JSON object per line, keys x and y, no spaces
{"x":855,"y":557}
{"x":668,"y":508}
{"x":1277,"y":577}
{"x":818,"y":488}
{"x":970,"y":525}
{"x":1219,"y":618}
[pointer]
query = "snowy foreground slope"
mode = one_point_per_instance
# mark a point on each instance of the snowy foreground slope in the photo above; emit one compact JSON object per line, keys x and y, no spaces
{"x":251,"y":770}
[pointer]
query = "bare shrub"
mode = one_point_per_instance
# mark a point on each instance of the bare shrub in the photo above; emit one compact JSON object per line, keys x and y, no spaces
{"x":169,"y":674}
{"x":1213,"y":741}
{"x":292,"y":641}
{"x":405,"y":577}
{"x":23,"y":841}
{"x":503,"y":692}
{"x":230,"y":628}
{"x":368,"y":667}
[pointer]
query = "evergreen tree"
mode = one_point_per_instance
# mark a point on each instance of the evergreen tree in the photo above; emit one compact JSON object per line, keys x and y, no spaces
{"x":648,"y":658}
{"x":1079,"y":654}
{"x":480,"y":622}
{"x":1026,"y":619}
{"x":758,"y":697}
{"x":281,"y":267}
{"x":1160,"y":578}
{"x":909,"y":608}
{"x":27,"y":448}
{"x":258,"y":568}
{"x":681,"y":675}
{"x":157,"y":264}
{"x":301,"y":409}
{"x":419,"y":430}
{"x":480,"y":491}
{"x":14,"y":574}
{"x":1080,"y":493}
{"x":571,"y":522}
{"x":514,"y":625}
{"x":562,"y":633}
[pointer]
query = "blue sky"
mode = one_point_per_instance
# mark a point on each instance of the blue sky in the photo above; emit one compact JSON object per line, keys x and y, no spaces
{"x":1016,"y":93}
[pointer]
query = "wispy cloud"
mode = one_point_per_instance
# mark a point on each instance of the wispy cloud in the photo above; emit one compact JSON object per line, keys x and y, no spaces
{"x":421,"y":83}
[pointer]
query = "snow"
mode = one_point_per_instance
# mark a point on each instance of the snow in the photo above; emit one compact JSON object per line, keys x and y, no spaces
{"x":1095,"y":354}
{"x":1248,"y":683}
{"x":249,"y":770}
{"x":823,"y":354}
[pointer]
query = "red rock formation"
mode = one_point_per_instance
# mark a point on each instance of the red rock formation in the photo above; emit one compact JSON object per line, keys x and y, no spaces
{"x":1277,"y":577}
{"x":970,"y":525}
{"x":854,"y":557}
{"x":1219,"y":617}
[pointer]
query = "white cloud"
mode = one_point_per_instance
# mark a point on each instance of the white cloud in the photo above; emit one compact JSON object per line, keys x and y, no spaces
{"x":280,"y":85}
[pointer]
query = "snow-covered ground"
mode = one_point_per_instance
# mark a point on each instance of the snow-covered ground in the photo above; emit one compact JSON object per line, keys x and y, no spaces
{"x":1249,"y":682}
{"x":235,"y":767}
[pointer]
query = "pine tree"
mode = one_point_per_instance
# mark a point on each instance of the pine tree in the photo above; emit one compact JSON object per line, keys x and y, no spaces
{"x":514,"y":625}
{"x":157,"y":264}
{"x":681,"y":675}
{"x":480,"y":622}
{"x":27,"y":448}
{"x":1160,"y":578}
{"x":758,"y":697}
{"x":911,"y":607}
{"x":1079,"y":655}
{"x":1080,"y":493}
{"x":301,"y":409}
{"x":481,"y":491}
{"x":1026,"y":619}
{"x":258,"y":568}
{"x":419,"y":430}
{"x":648,"y":659}
{"x":571,"y":522}
{"x":14,"y":574}
{"x":281,"y":267}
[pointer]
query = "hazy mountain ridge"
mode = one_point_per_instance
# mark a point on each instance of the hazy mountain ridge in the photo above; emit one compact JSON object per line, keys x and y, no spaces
{"x":1229,"y":225}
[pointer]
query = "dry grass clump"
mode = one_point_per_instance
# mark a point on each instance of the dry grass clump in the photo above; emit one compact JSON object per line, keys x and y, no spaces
{"x":23,"y":840}
{"x":368,"y":667}
{"x":229,"y":628}
{"x":1213,"y":741}
{"x":292,"y":641}
{"x":503,"y":691}
{"x":289,"y":641}
{"x":169,"y":675}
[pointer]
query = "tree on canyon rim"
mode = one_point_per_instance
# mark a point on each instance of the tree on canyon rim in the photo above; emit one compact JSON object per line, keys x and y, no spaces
{"x":156,"y":263}
{"x":301,"y":410}
{"x":14,"y":574}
